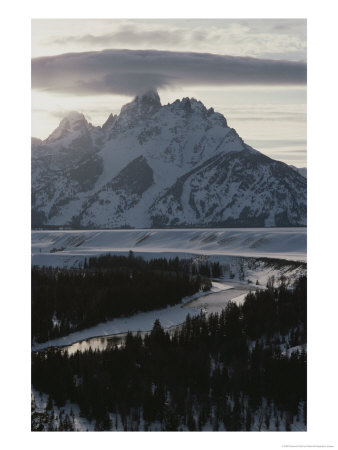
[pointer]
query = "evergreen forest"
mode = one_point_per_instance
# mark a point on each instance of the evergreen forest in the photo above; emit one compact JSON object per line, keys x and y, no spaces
{"x":241,"y":369}
{"x":110,"y":286}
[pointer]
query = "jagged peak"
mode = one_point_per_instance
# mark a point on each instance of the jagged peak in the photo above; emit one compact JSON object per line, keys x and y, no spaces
{"x":71,"y":118}
{"x":110,"y":121}
{"x":150,"y":95}
{"x":73,"y":121}
{"x":146,"y":104}
{"x":188,"y":103}
{"x":192,"y":106}
{"x":74,"y":116}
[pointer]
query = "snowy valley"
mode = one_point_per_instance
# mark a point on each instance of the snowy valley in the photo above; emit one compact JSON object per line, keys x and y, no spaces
{"x":248,"y":257}
{"x":163,"y":233}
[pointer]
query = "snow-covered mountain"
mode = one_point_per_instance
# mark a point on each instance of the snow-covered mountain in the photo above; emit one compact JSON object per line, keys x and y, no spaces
{"x":159,"y":165}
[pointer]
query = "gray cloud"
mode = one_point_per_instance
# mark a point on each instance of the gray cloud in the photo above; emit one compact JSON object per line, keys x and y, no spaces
{"x":133,"y":71}
{"x":128,"y":35}
{"x":262,"y":38}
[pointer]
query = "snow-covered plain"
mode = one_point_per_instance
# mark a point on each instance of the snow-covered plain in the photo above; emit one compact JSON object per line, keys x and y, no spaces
{"x":68,"y":248}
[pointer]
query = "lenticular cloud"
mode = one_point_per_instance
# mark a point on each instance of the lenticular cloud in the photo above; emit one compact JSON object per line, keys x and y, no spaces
{"x":132,"y":71}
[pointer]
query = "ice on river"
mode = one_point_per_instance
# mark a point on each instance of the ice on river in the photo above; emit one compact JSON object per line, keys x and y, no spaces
{"x":212,"y":301}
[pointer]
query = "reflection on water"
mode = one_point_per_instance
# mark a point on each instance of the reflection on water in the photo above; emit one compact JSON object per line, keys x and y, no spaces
{"x":96,"y":343}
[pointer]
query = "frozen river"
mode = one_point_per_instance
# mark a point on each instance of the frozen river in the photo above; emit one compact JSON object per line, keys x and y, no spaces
{"x":112,"y":331}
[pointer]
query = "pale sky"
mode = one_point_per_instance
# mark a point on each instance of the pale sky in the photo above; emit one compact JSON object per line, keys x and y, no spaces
{"x":264,"y":99}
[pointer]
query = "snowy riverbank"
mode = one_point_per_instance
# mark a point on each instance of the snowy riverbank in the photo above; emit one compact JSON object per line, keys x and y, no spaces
{"x":211,"y":301}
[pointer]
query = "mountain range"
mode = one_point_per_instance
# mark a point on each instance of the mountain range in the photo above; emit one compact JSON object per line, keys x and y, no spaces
{"x":154,"y":166}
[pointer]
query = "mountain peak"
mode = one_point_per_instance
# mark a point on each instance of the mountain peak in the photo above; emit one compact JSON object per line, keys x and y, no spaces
{"x":109,"y":122}
{"x":143,"y":105}
{"x":150,"y":96}
{"x":160,"y":166}
{"x":73,"y":121}
{"x":74,"y":115}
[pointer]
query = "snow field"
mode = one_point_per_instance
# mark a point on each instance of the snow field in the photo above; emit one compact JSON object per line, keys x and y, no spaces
{"x":72,"y":246}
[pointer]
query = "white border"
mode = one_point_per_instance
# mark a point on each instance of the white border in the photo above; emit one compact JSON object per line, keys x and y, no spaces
{"x":15,"y":196}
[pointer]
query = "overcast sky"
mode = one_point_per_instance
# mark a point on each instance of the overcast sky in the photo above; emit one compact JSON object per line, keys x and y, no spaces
{"x":253,"y":71}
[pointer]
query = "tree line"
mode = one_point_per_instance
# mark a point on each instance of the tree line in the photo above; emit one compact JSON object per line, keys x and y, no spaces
{"x":176,"y":264}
